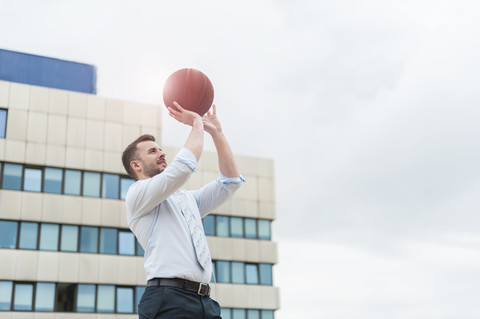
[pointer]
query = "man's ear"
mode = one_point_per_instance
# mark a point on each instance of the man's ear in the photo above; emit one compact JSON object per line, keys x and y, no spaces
{"x":135,"y":165}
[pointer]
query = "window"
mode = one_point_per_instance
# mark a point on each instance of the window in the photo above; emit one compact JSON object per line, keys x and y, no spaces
{"x":236,"y":226}
{"x":28,"y":235}
{"x":44,"y":296}
{"x":140,"y":251}
{"x":91,"y":184}
{"x":73,"y":180}
{"x":106,"y":298}
{"x":124,"y":300}
{"x":209,"y":225}
{"x":69,"y":240}
{"x":108,"y":241}
{"x":89,"y":239}
{"x":5,"y":295}
{"x":12,"y":176}
{"x":86,"y":298}
{"x":252,"y":274}
{"x":222,"y":226}
{"x":49,"y":236}
{"x":53,"y":179}
{"x":65,"y":297}
{"x":124,"y":185}
{"x":239,"y":314}
{"x":223,"y":271}
{"x":264,"y":229}
{"x":250,"y":228}
{"x":110,"y":186}
{"x":226,"y":313}
{"x":8,"y":235}
{"x":23,"y":297}
{"x":267,"y":314}
{"x":138,"y":296}
{"x":3,"y":122}
{"x":32,"y":180}
{"x":126,"y":243}
{"x":253,"y":314}
{"x":265,"y":274}
{"x":238,"y":272}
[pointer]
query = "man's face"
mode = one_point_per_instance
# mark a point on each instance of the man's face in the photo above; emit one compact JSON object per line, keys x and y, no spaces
{"x":151,"y":157}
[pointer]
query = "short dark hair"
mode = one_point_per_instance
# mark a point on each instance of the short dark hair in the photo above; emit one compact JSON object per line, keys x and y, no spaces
{"x":130,"y":154}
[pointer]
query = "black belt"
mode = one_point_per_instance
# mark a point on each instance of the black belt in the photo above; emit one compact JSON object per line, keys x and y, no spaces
{"x":199,"y":288}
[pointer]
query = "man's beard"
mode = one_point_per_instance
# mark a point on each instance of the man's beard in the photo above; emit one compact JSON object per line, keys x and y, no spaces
{"x":152,"y":169}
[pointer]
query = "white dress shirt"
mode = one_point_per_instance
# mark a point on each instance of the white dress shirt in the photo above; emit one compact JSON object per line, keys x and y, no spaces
{"x":154,"y":216}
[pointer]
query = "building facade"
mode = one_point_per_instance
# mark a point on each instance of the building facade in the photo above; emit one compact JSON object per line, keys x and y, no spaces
{"x":65,"y":247}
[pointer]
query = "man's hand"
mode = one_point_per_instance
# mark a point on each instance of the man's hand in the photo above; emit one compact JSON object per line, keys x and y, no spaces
{"x":211,"y":124}
{"x":194,"y":141}
{"x":182,"y":115}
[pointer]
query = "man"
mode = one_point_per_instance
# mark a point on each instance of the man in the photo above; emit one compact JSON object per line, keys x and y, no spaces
{"x":168,"y":223}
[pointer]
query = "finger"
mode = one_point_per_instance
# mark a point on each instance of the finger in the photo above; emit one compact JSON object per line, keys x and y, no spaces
{"x":178,"y":106}
{"x":214,"y":109}
{"x":173,"y":111}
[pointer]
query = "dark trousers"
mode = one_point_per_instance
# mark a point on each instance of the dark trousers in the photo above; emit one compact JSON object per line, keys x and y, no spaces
{"x":176,"y":303}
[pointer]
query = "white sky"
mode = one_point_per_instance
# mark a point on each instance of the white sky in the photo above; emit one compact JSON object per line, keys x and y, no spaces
{"x":370,"y":110}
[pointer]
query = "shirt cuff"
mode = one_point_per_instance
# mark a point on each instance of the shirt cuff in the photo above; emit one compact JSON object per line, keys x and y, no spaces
{"x":186,"y":157}
{"x":230,"y":180}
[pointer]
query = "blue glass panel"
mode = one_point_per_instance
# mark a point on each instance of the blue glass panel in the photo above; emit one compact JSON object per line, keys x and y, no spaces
{"x":125,"y":300}
{"x":5,"y":295}
{"x":53,"y":180}
{"x":69,"y":241}
{"x":250,"y":228}
{"x":106,"y":298}
{"x":265,"y":274}
{"x":86,"y":298}
{"x":209,"y":225}
{"x":253,"y":314}
{"x":108,"y":241}
{"x":223,"y":226}
{"x":110,"y":185}
{"x":12,"y":176}
{"x":8,"y":234}
{"x":91,"y":184}
{"x":49,"y":236}
{"x":23,"y":297}
{"x":252,"y":274}
{"x":88,"y":239}
{"x":32,"y":180}
{"x":223,"y":271}
{"x":140,"y":251}
{"x":28,"y":235}
{"x":125,"y":183}
{"x":236,"y":226}
{"x":44,"y":296}
{"x":3,"y":122}
{"x":139,"y":290}
{"x":226,"y":313}
{"x":73,"y":181}
{"x":267,"y":314}
{"x":126,"y":243}
{"x":238,"y":272}
{"x":264,"y":229}
{"x":239,"y":314}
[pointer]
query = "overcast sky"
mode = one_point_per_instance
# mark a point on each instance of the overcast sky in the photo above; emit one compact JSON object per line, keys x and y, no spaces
{"x":370,"y":110}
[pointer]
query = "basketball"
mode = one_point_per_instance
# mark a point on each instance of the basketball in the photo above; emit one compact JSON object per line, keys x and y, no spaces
{"x":191,"y":89}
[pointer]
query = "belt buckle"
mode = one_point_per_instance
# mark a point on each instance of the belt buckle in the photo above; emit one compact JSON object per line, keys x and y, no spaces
{"x":199,"y":292}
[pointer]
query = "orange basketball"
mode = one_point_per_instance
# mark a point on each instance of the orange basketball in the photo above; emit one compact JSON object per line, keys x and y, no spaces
{"x":190,"y":88}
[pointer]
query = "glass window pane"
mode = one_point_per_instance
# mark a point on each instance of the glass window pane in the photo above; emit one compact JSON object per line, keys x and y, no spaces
{"x":267,"y":314}
{"x":236,"y":226}
{"x":239,"y":314}
{"x":222,"y":226}
{"x":53,"y":180}
{"x":33,"y":180}
{"x":125,"y":300}
{"x":108,"y":241}
{"x":89,"y":239}
{"x":238,"y":272}
{"x":65,"y":297}
{"x":265,"y":274}
{"x":226,"y":313}
{"x":223,"y":271}
{"x":12,"y":176}
{"x":44,"y":296}
{"x":250,"y":228}
{"x":140,"y":251}
{"x":252,"y":274}
{"x":49,"y":236}
{"x":126,"y":243}
{"x":73,"y":181}
{"x":86,"y":298}
{"x":69,"y":241}
{"x":28,"y":235}
{"x":110,"y":185}
{"x":23,"y":297}
{"x":91,"y":184}
{"x":253,"y":314}
{"x":106,"y":298}
{"x":264,"y":229}
{"x":3,"y":122}
{"x":5,"y":294}
{"x":124,"y":185}
{"x":209,"y":225}
{"x":138,"y":296}
{"x":8,"y":234}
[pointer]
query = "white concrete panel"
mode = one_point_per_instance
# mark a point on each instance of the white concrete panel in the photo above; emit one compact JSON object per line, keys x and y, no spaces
{"x":2,"y":149}
{"x":266,"y":168}
{"x":112,"y":162}
{"x":132,"y":113}
{"x":39,"y":99}
{"x":17,"y":124}
{"x":23,"y":315}
{"x":72,"y":209}
{"x":95,"y":107}
{"x":149,"y":116}
{"x":267,"y":210}
{"x":266,"y":189}
{"x":76,"y":132}
{"x":10,"y":204}
{"x":52,"y":208}
{"x":75,"y":158}
{"x":247,"y":296}
{"x":58,"y":102}
{"x":77,"y":104}
{"x":247,"y":165}
{"x":91,"y":211}
{"x":244,"y":207}
{"x":110,"y":215}
{"x":129,"y":134}
{"x":95,"y":134}
{"x":15,"y":151}
{"x":141,"y":277}
{"x":114,"y":110}
{"x":55,"y":156}
{"x":149,"y":130}
{"x":4,"y":93}
{"x":249,"y":189}
{"x":88,"y":268}
{"x":7,"y":266}
{"x":56,"y":129}
{"x":113,"y":137}
{"x":31,"y":206}
{"x":47,"y":266}
{"x":209,"y":162}
{"x":127,"y":268}
{"x":123,"y":215}
{"x":268,"y":251}
{"x":26,"y":265}
{"x":68,"y":267}
{"x":108,"y":269}
{"x":6,"y":315}
{"x":36,"y":153}
{"x":19,"y":96}
{"x":93,"y":160}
